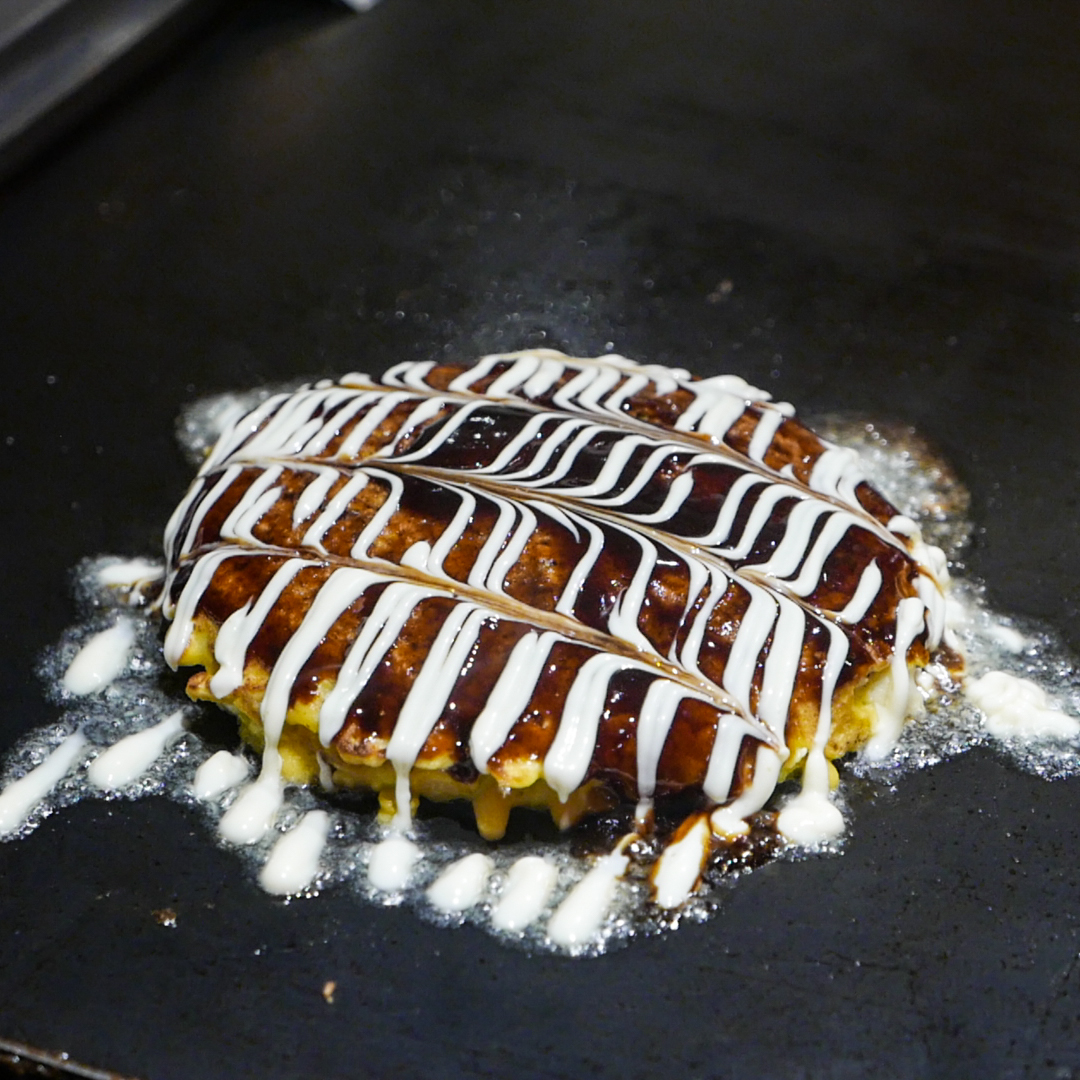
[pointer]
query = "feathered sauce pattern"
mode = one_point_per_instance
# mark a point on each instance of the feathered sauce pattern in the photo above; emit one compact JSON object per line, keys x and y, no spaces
{"x":724,"y":410}
{"x":545,"y":567}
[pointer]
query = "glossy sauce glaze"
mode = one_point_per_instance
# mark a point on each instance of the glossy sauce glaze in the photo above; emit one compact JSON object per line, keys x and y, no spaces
{"x":546,"y":568}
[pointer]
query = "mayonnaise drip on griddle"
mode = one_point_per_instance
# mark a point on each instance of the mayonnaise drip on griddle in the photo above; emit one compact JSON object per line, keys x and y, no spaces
{"x":578,"y":918}
{"x":294,"y":860}
{"x":101,"y":659}
{"x":1019,"y":708}
{"x":461,"y":885}
{"x":529,"y":883}
{"x":391,"y":863}
{"x":680,"y":865}
{"x":22,"y":795}
{"x":125,"y":761}
{"x":251,"y":816}
{"x":219,"y":773}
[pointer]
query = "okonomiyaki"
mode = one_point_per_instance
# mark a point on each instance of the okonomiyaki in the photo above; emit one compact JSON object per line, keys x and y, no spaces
{"x":547,"y":582}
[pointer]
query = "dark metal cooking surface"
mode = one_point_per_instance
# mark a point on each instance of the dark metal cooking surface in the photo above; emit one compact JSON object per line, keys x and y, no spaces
{"x":58,"y":58}
{"x":893,"y":193}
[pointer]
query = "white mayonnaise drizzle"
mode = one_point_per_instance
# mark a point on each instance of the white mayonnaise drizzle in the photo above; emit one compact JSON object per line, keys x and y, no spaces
{"x":1019,"y":708}
{"x":101,"y":660}
{"x":509,"y":696}
{"x":239,"y":629}
{"x":294,"y":860}
{"x":428,"y":697}
{"x":130,"y":572}
{"x":529,"y":884}
{"x":864,"y":596}
{"x":680,"y":865}
{"x":218,"y":773}
{"x":461,"y":885}
{"x":19,"y":797}
{"x":314,"y":495}
{"x":125,"y":761}
{"x":1007,"y":637}
{"x":391,"y":864}
{"x":811,"y":818}
{"x":654,"y":723}
{"x":251,"y":816}
{"x":568,"y":759}
{"x":578,"y":918}
{"x":377,"y":635}
{"x":895,"y":692}
{"x":730,"y":820}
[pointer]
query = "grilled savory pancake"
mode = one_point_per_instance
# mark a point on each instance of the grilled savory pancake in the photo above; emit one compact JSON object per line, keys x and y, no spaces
{"x":545,"y":581}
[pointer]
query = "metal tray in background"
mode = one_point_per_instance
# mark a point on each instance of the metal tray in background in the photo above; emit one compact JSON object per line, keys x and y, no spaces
{"x":891,"y":191}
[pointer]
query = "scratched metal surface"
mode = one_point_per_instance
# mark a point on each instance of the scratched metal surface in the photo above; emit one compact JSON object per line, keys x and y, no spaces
{"x":892,"y":192}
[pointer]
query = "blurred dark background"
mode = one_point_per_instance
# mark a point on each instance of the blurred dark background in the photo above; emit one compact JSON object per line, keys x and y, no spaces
{"x":864,"y":207}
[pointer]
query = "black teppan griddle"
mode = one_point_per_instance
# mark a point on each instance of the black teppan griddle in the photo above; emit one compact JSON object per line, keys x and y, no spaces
{"x":892,"y":192}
